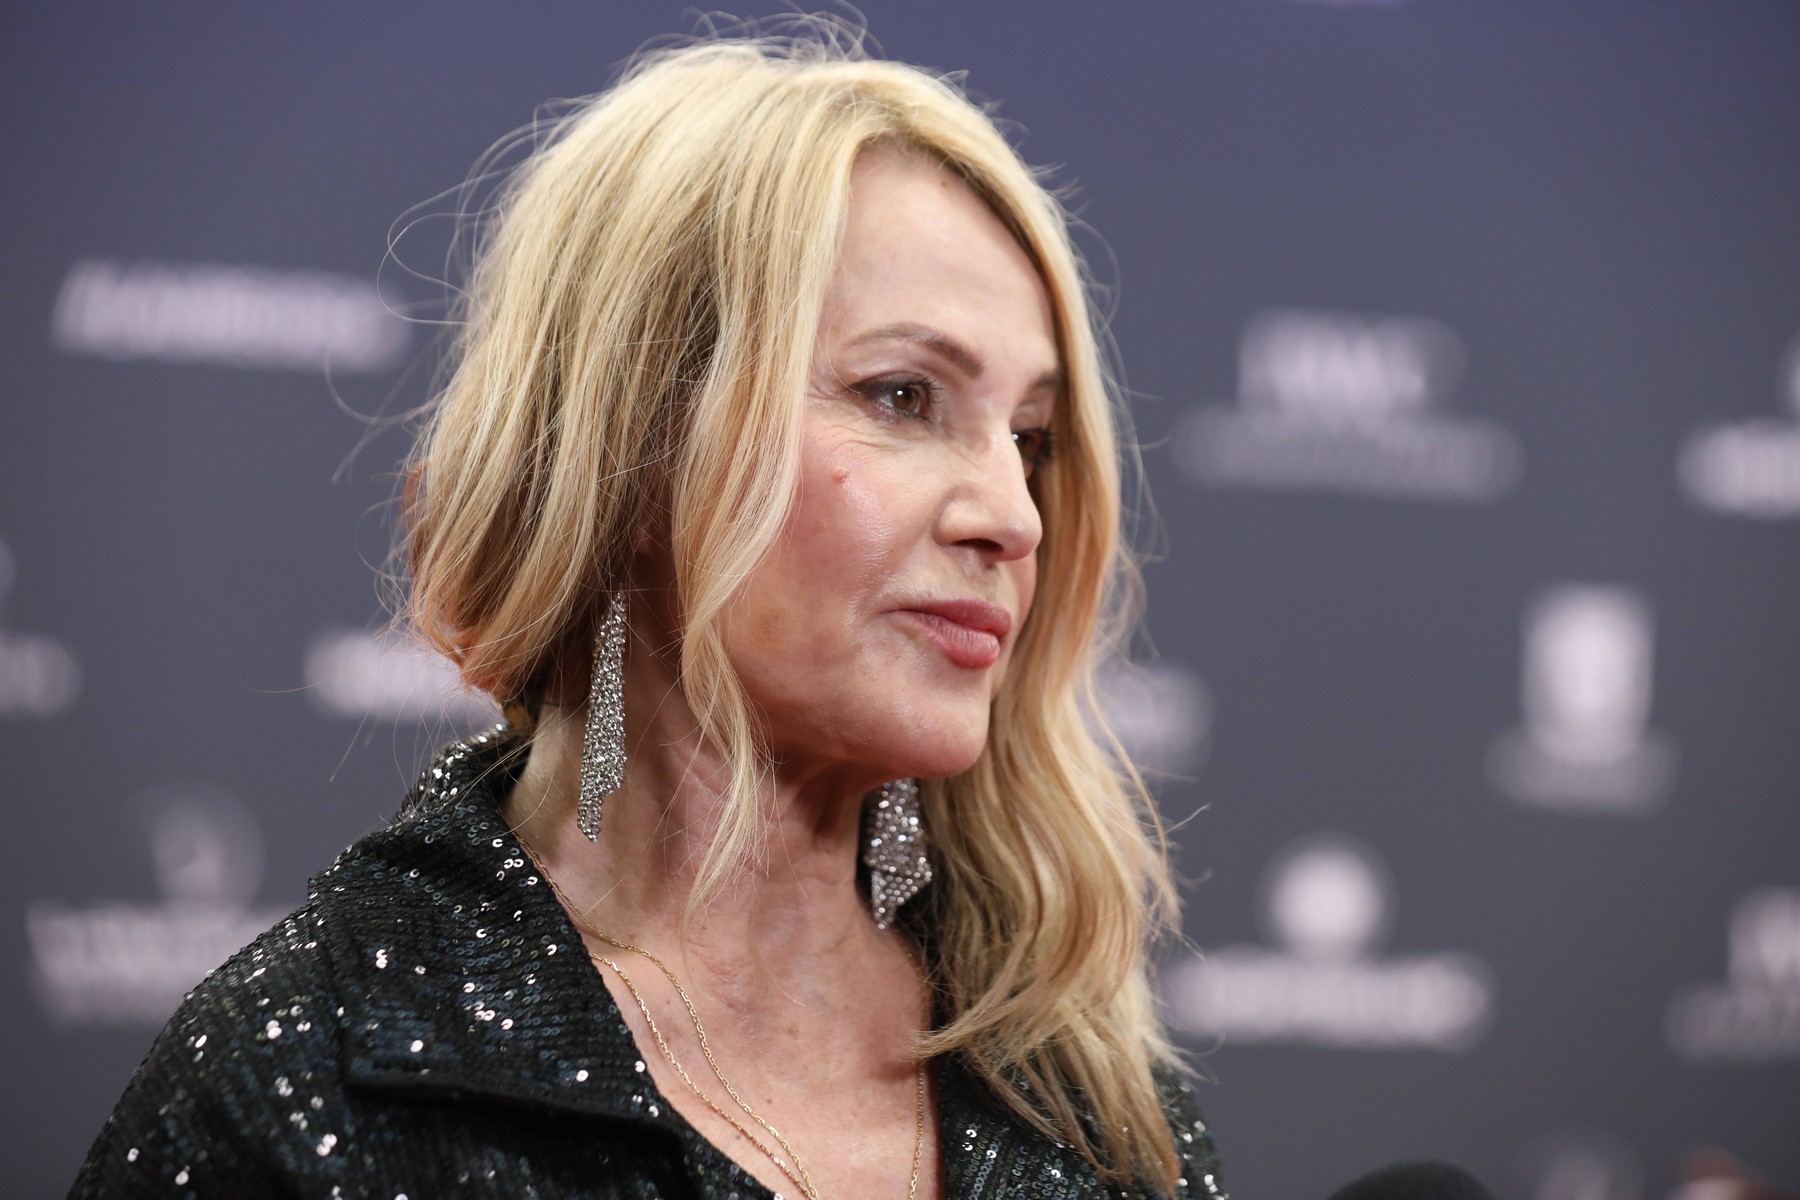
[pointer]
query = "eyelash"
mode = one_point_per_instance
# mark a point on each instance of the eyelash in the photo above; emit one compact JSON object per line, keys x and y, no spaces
{"x":875,"y":391}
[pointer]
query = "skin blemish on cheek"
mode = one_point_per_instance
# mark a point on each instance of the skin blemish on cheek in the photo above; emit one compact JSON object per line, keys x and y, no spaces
{"x":840,"y":475}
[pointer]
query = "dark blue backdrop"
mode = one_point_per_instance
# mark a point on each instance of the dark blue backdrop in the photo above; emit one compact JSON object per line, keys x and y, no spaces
{"x":1464,"y":346}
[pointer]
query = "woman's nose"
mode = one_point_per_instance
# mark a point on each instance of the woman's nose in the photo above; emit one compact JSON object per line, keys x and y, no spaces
{"x":991,"y":508}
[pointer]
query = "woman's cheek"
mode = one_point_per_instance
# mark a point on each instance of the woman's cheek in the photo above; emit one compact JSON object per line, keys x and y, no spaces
{"x":869,"y":502}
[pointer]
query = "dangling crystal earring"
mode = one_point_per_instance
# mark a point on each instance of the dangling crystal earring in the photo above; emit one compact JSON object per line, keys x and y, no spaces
{"x":894,"y":848}
{"x":603,"y":738}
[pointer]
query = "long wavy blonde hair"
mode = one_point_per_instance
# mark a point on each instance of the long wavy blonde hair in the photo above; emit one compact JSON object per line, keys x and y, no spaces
{"x":633,"y":342}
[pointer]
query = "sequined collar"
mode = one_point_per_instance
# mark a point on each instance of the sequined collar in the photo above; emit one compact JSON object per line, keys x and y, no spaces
{"x":461,"y":976}
{"x":462,"y":973}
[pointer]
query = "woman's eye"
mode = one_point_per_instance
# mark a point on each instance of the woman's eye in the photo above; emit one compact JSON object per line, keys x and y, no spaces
{"x":908,"y":397}
{"x":1036,"y":447}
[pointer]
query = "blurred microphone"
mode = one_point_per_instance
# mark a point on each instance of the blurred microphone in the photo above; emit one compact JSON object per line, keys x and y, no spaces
{"x":1415,"y":1181}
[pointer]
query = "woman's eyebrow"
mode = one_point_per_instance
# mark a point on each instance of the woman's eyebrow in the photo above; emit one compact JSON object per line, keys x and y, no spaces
{"x":960,"y":355}
{"x":965,"y":359}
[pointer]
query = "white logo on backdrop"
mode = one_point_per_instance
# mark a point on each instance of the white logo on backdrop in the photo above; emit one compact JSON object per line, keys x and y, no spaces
{"x":129,"y":963}
{"x":1754,"y":1015}
{"x":1588,"y":1165}
{"x":39,"y":675}
{"x":1330,"y":901}
{"x":350,"y":673}
{"x":239,"y":316}
{"x":1161,"y":713}
{"x":1347,"y":403}
{"x":1749,"y":468}
{"x":1585,"y":745}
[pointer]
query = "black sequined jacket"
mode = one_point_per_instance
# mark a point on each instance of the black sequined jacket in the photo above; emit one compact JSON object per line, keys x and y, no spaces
{"x":427,"y":1025}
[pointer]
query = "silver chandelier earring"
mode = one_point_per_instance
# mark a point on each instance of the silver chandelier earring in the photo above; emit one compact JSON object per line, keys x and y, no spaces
{"x":603,"y":737}
{"x":894,"y":848}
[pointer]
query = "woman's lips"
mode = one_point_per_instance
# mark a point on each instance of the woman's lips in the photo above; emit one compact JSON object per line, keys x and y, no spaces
{"x":968,"y":632}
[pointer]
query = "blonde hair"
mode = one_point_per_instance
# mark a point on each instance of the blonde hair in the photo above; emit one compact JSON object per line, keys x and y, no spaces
{"x":634,"y":339}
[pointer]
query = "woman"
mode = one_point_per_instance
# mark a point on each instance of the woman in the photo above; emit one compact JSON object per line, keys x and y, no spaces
{"x":774,"y":494}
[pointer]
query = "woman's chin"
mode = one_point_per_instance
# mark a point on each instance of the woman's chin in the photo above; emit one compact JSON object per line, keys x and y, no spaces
{"x":951,"y":754}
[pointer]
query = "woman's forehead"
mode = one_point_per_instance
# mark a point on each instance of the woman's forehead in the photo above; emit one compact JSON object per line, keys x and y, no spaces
{"x":926,"y":261}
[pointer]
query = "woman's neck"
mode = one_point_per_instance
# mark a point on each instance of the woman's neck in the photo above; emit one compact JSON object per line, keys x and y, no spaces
{"x":779,"y":932}
{"x":812,"y":1012}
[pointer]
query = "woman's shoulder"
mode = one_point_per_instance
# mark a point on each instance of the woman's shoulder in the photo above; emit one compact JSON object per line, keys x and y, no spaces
{"x":240,"y":1085}
{"x":264,"y":1074}
{"x":253,"y":1046}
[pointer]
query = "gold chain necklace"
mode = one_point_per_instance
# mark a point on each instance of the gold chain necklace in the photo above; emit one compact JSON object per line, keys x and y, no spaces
{"x":796,"y":1172}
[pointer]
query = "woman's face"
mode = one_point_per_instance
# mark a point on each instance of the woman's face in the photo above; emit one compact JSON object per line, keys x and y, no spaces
{"x":879,"y":629}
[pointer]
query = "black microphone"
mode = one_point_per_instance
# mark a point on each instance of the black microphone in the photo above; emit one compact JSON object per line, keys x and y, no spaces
{"x":1415,"y":1181}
